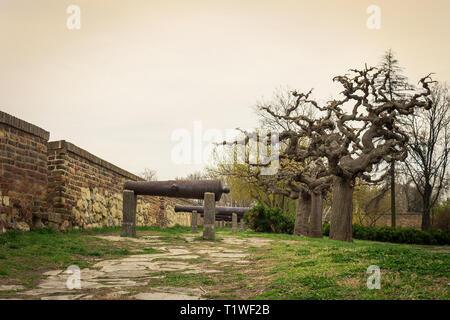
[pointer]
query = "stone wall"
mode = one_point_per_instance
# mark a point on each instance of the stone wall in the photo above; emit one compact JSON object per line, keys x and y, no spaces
{"x":23,"y":173}
{"x":85,"y":191}
{"x":64,"y":186}
{"x":409,"y":219}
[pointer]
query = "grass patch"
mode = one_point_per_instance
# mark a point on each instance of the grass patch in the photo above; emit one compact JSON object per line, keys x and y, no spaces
{"x":327,"y":269}
{"x":289,"y":267}
{"x":174,"y":279}
{"x":25,"y":255}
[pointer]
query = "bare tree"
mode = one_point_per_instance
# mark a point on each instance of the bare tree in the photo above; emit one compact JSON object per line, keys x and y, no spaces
{"x":281,"y":101}
{"x":300,"y":175}
{"x":397,"y":87}
{"x":197,"y":175}
{"x":306,"y":181}
{"x":148,"y":175}
{"x":310,"y":181}
{"x":304,"y":174}
{"x":354,"y":143}
{"x":358,"y":148}
{"x":429,"y":147}
{"x":370,"y":202}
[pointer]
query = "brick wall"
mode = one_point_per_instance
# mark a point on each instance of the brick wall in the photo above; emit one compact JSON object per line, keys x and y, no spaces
{"x":64,"y":186}
{"x":409,"y":219}
{"x":85,"y":191}
{"x":23,"y":173}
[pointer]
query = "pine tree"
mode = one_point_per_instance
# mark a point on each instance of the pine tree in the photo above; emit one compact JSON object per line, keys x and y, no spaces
{"x":397,"y":88}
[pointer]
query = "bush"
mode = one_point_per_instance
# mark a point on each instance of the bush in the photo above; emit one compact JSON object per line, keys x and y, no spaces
{"x":441,"y":216}
{"x":326,"y":229}
{"x":272,"y":220}
{"x":397,"y":235}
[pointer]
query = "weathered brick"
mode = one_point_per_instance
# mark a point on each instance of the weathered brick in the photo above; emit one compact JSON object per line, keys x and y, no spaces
{"x":18,"y":167}
{"x":55,"y":179}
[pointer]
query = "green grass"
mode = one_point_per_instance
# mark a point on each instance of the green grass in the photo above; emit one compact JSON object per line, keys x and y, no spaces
{"x":147,"y":251}
{"x":325,"y":269}
{"x":183,"y":280}
{"x":290,"y":267}
{"x":26,"y":255}
{"x":172,"y":231}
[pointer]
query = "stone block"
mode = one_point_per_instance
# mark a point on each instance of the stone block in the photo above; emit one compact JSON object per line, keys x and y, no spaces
{"x":22,"y":226}
{"x":194,"y":221}
{"x":209,"y":232}
{"x":129,"y":214}
{"x":234,"y":224}
{"x":54,"y":217}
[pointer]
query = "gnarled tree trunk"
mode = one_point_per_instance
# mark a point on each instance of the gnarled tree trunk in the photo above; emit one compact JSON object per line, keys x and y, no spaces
{"x":342,"y":210}
{"x":315,"y":230}
{"x":302,"y":214}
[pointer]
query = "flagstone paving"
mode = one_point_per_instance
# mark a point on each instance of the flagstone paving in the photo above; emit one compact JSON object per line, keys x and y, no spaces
{"x":128,"y":277}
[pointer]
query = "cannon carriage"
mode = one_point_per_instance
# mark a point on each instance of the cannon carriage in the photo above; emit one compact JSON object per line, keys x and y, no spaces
{"x":222,"y":213}
{"x":209,"y":190}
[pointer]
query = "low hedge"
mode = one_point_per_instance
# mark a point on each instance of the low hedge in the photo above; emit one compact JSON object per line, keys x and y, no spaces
{"x":262,"y":218}
{"x":397,"y":235}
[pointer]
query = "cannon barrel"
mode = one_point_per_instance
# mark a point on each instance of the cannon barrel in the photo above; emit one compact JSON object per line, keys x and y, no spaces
{"x":191,"y":189}
{"x":226,"y":217}
{"x":219,"y":210}
{"x":223,"y":218}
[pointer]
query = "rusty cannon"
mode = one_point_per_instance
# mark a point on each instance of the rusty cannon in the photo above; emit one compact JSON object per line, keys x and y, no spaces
{"x":219,"y":210}
{"x":190,"y":189}
{"x":209,"y":190}
{"x":222,"y":214}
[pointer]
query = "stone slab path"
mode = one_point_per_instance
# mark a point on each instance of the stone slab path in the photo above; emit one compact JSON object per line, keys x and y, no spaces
{"x":128,"y":277}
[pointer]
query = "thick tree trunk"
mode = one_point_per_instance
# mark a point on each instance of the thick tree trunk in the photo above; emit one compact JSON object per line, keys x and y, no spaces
{"x":426,"y":220}
{"x":302,"y":214}
{"x":392,"y":173}
{"x":342,"y":207}
{"x":316,"y":215}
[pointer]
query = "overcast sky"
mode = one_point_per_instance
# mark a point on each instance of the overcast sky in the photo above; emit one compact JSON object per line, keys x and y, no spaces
{"x":138,"y":70}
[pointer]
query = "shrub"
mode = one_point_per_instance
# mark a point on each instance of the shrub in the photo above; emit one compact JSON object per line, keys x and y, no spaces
{"x":441,"y":216}
{"x":397,"y":235}
{"x":326,"y":229}
{"x":273,"y":220}
{"x":262,"y":218}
